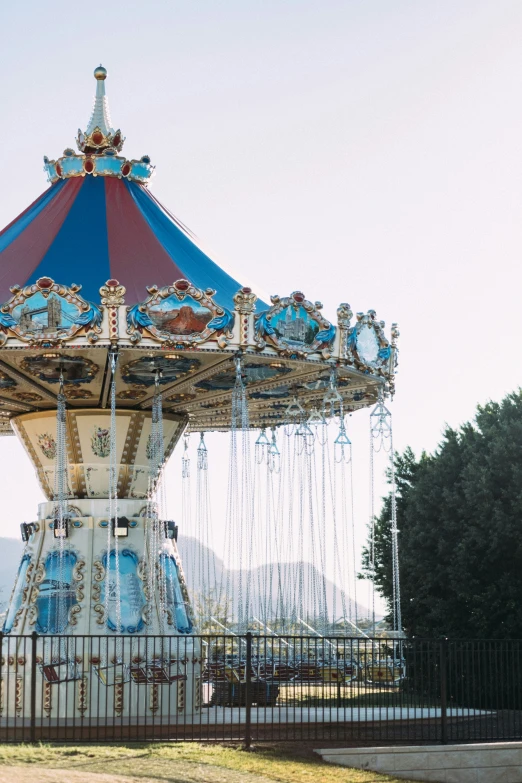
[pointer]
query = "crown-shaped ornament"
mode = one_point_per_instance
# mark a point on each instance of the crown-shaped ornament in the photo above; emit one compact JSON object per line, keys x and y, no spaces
{"x":99,"y":146}
{"x":99,"y":135}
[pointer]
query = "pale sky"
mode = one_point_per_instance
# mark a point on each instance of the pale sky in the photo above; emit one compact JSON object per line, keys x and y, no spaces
{"x":362,"y":151}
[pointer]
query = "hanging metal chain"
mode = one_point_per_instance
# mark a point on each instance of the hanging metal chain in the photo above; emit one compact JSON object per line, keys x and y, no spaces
{"x":61,"y":454}
{"x":380,"y":425}
{"x":274,"y":456}
{"x":202,"y":453}
{"x":294,"y":414}
{"x":332,"y":398}
{"x":318,"y":424}
{"x":60,"y":613}
{"x":304,"y":437}
{"x":342,"y":443}
{"x":114,"y":584}
{"x":185,"y":460}
{"x":381,"y":439}
{"x":397,"y":615}
{"x":156,"y":581}
{"x":333,"y":402}
{"x":262,"y":447}
{"x":372,"y":528}
{"x":240,"y":498}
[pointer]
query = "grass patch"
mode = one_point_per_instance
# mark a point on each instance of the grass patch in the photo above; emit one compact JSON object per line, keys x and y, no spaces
{"x":159,"y":761}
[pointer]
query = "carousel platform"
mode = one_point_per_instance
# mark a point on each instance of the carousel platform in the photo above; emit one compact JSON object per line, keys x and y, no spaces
{"x":230,"y":724}
{"x":238,"y":715}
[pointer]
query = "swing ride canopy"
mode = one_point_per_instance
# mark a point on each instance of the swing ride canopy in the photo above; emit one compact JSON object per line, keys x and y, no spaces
{"x":117,"y":334}
{"x":96,"y":264}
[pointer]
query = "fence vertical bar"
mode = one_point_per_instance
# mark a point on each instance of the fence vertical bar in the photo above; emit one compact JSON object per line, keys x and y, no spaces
{"x":3,"y":688}
{"x":444,"y":691}
{"x":34,"y":637}
{"x":248,"y":691}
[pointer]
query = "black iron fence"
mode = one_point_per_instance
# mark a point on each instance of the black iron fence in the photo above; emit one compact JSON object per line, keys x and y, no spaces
{"x":254,"y":688}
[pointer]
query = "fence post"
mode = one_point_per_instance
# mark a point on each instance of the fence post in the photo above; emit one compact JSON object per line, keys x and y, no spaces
{"x":248,"y":691}
{"x":34,"y":637}
{"x":444,"y":691}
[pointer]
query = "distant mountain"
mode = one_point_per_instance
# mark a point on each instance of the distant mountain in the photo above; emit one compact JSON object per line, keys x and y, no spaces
{"x":205,"y":572}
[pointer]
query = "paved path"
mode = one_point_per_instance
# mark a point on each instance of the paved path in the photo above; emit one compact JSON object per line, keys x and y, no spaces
{"x":178,"y":772}
{"x":347,"y":714}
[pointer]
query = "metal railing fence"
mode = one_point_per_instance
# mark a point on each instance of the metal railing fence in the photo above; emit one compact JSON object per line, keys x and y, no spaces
{"x":251,"y":688}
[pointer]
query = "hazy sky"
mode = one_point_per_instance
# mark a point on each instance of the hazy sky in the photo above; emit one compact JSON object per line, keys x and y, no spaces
{"x":360,"y":151}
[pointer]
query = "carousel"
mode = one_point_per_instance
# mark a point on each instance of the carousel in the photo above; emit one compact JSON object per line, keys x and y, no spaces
{"x":119,"y":336}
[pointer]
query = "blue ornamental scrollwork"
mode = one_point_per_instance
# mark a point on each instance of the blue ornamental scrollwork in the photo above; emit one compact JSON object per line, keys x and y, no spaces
{"x":263,"y":327}
{"x":6,"y":322}
{"x":16,"y":601}
{"x":47,"y":313}
{"x":176,"y":595}
{"x":180,"y":315}
{"x":138,"y":319}
{"x":91,"y":318}
{"x":295,"y":327}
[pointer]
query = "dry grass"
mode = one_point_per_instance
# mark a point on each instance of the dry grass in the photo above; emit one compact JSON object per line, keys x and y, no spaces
{"x":180,"y":762}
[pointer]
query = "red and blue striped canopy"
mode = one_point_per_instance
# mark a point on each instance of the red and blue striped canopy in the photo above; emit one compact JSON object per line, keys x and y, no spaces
{"x":88,"y":230}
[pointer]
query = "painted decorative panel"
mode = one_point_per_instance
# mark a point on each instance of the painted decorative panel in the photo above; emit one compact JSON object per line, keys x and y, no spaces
{"x":130,"y":588}
{"x":47,"y":313}
{"x":295,"y":327}
{"x":367,"y":345}
{"x":57,"y":593}
{"x":252,"y":373}
{"x":180,"y":314}
{"x":88,"y":449}
{"x":142,"y":371}
{"x":180,"y":318}
{"x":50,"y":367}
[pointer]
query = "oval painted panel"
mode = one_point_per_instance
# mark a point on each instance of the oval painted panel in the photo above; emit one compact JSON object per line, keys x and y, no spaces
{"x":57,"y":593}
{"x":132,"y":597}
{"x":367,"y":344}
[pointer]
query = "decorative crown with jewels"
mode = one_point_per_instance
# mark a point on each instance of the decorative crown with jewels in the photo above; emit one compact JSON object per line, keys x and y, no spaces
{"x":99,"y":146}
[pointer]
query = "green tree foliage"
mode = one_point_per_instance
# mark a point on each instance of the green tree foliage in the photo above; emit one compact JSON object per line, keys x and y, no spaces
{"x":460,"y":521}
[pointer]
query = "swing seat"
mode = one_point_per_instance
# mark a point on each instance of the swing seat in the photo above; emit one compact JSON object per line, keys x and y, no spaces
{"x":384,"y":673}
{"x":332,"y":674}
{"x":351,"y":671}
{"x":113,"y":674}
{"x":309,"y":673}
{"x":284,"y":672}
{"x":156,"y":673}
{"x":214,"y":672}
{"x":61,"y":671}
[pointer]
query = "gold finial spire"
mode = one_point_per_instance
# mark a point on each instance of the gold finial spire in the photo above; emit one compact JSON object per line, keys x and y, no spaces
{"x":99,"y":134}
{"x":100,"y":117}
{"x":100,"y":73}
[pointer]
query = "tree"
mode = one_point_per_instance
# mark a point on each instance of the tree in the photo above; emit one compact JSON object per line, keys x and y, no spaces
{"x":460,"y":542}
{"x":211,"y":613}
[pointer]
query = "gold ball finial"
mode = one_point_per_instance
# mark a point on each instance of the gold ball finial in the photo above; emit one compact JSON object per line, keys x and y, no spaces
{"x":100,"y":73}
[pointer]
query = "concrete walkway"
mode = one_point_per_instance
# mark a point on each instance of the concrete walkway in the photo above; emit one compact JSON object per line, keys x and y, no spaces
{"x":237,"y":715}
{"x":179,"y":772}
